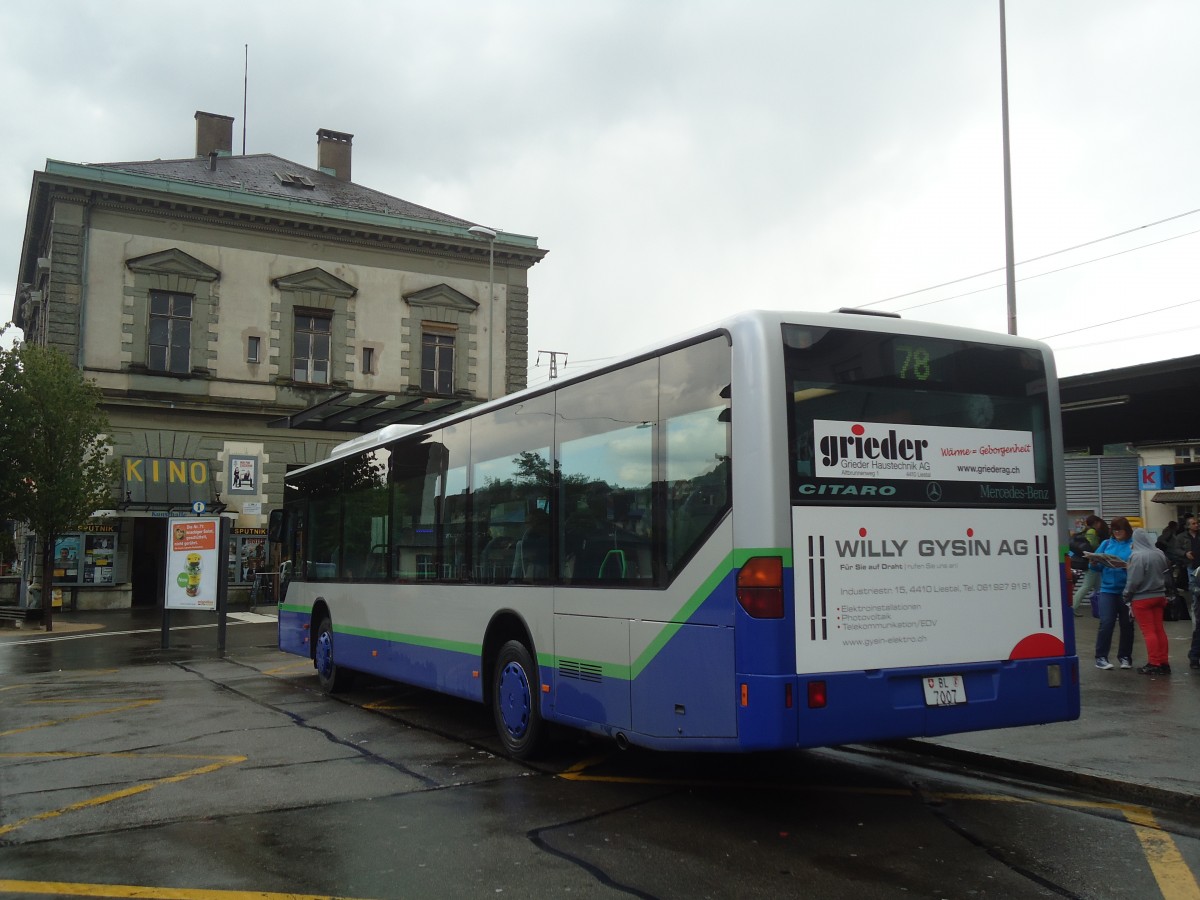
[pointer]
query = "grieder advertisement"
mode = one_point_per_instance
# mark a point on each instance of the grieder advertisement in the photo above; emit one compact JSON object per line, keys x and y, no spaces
{"x":193,"y":563}
{"x":885,"y":586}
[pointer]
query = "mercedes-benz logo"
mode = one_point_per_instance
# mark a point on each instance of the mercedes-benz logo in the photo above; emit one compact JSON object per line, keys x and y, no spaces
{"x":933,"y":491}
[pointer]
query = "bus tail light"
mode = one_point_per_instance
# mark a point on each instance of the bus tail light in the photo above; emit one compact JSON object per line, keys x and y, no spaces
{"x":760,"y":587}
{"x":816,"y":695}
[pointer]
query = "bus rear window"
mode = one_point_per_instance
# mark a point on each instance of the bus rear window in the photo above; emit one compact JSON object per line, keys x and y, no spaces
{"x":879,"y":418}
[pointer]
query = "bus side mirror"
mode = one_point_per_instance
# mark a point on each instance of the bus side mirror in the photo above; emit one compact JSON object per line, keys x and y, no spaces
{"x":277,"y":526}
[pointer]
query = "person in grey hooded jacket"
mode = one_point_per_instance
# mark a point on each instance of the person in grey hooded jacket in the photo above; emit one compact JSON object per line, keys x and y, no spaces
{"x":1145,"y":592}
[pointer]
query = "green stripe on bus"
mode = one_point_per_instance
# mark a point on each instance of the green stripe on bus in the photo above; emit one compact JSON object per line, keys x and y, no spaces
{"x":413,"y":640}
{"x":682,"y":615}
{"x":736,"y":559}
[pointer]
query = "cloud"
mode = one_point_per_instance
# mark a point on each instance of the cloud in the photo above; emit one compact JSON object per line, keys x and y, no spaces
{"x":679,"y":160}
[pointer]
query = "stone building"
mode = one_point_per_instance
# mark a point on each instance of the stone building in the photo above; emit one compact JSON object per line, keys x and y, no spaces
{"x":243,"y":314}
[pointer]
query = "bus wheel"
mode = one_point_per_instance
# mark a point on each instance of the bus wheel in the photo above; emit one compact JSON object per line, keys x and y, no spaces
{"x":330,"y":675}
{"x":515,"y":701}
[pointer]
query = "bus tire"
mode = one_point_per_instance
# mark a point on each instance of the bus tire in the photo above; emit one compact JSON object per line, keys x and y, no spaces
{"x":515,"y":701}
{"x":330,"y":675}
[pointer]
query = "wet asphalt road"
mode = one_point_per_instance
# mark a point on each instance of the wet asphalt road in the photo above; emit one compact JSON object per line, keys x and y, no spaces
{"x":153,"y":772}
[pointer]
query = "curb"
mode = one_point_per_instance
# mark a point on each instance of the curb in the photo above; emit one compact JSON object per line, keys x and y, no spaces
{"x":1049,"y":776}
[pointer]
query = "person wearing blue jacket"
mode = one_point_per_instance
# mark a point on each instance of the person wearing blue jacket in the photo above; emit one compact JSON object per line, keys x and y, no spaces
{"x":1111,"y":604}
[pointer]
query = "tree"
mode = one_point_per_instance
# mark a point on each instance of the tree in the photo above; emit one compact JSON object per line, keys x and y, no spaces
{"x":53,"y":439}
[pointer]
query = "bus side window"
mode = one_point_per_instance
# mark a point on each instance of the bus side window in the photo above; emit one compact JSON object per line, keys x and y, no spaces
{"x":697,"y":409}
{"x":496,"y":560}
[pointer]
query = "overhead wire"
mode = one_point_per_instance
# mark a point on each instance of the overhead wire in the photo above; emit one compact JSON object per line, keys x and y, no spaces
{"x":1126,"y":337}
{"x":1049,"y":271}
{"x":1122,"y":319}
{"x":532,"y":381}
{"x":1032,"y":259}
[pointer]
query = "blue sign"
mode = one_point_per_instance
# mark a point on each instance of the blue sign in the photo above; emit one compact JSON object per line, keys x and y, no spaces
{"x":1156,"y":478}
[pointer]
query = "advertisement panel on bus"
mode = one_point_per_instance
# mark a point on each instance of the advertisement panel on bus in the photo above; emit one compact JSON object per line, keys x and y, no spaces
{"x":874,"y":591}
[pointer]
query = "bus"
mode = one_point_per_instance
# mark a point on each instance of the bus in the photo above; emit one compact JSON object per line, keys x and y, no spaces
{"x":785,"y":530}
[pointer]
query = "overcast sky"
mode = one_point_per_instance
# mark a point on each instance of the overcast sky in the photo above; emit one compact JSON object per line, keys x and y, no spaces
{"x":682,"y":160}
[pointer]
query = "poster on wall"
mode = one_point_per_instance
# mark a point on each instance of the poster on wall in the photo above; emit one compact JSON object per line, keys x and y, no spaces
{"x":66,"y":558}
{"x":193,"y":563}
{"x":99,"y":551}
{"x":243,"y":475}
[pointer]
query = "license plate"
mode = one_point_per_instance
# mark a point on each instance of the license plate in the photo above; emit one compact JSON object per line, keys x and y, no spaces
{"x":944,"y":690}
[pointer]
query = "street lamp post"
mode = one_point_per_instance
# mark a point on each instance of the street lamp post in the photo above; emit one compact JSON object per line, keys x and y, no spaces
{"x":1010,"y":277}
{"x":490,"y":234}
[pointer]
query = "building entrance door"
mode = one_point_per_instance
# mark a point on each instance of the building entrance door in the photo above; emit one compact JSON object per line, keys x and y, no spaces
{"x":149,"y":563}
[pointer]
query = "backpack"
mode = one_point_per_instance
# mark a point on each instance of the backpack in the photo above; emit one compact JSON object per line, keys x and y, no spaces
{"x":1176,"y":609}
{"x":1079,"y":546}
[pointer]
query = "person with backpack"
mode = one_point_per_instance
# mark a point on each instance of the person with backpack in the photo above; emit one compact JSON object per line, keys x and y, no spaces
{"x":1185,"y":545}
{"x":1086,"y":541}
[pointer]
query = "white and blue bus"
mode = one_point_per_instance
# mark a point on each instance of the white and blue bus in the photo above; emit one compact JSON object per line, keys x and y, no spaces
{"x":783,"y":531}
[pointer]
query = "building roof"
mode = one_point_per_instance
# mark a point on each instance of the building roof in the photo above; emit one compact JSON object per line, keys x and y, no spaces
{"x":274,"y":176}
{"x":265,"y":186}
{"x":1143,"y":404}
{"x":1178,"y":498}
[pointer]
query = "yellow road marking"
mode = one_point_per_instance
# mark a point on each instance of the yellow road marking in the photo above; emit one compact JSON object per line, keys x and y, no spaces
{"x":129,"y":704}
{"x":575,"y":773}
{"x":74,"y":889}
{"x":385,"y":705}
{"x":1175,"y":879}
{"x":217,"y":762}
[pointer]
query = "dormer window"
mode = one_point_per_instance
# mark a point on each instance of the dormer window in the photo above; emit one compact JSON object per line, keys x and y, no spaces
{"x":291,"y":179}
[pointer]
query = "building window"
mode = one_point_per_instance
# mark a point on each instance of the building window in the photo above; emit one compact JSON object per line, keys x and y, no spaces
{"x":252,"y":349}
{"x":310,"y":359}
{"x":170,"y":332}
{"x":437,"y":362}
{"x":368,"y":365}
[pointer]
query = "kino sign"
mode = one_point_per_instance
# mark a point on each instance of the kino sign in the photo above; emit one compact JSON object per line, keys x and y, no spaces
{"x":156,"y":479}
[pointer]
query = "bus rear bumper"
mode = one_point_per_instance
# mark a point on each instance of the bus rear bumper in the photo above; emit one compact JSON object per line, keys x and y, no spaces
{"x":893,"y":704}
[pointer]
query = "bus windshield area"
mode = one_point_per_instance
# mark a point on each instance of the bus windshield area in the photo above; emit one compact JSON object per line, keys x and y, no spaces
{"x":879,"y":418}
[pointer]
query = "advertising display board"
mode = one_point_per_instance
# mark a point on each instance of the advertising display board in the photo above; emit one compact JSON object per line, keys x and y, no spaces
{"x":874,"y":450}
{"x":193,"y":563}
{"x":970,"y":585}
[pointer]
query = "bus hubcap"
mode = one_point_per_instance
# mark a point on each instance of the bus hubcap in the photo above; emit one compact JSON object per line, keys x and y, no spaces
{"x":515,"y":699}
{"x":324,"y":654}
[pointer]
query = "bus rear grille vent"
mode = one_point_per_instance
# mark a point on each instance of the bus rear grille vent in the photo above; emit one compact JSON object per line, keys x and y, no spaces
{"x":573,"y":668}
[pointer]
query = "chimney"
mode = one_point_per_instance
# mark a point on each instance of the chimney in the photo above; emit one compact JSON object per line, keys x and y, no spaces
{"x":333,"y":153}
{"x":214,"y":134}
